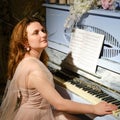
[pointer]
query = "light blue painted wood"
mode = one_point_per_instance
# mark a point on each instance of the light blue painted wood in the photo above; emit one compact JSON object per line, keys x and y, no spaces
{"x":108,"y":21}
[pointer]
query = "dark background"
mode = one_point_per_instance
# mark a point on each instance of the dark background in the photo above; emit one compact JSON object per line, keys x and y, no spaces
{"x":12,"y":11}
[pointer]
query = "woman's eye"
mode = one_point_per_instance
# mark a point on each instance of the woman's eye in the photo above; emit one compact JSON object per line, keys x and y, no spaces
{"x":44,"y":30}
{"x":36,"y":32}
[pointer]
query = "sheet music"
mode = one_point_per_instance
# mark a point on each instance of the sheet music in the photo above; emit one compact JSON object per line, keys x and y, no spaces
{"x":85,"y":47}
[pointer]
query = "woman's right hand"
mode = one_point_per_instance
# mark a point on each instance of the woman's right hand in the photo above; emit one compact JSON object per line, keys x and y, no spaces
{"x":103,"y":108}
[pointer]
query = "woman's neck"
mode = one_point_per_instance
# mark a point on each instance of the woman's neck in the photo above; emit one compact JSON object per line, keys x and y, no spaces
{"x":34,"y":53}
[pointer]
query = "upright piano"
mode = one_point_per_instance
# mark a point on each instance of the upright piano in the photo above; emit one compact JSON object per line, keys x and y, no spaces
{"x":72,"y":81}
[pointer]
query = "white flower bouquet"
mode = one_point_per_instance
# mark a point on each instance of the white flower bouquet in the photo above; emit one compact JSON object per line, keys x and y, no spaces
{"x":80,"y":7}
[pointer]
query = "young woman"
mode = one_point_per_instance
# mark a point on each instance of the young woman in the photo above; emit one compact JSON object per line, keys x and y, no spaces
{"x":31,"y":94}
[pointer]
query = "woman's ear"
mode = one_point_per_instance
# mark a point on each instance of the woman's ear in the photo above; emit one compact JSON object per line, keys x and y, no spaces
{"x":27,"y":46}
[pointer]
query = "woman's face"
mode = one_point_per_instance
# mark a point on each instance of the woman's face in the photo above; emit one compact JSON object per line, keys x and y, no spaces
{"x":37,"y":36}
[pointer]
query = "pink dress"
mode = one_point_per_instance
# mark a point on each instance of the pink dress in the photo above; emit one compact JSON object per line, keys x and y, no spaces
{"x":33,"y":105}
{"x":37,"y":108}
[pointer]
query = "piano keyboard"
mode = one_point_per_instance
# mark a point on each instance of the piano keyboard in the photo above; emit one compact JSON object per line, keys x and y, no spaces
{"x":89,"y":92}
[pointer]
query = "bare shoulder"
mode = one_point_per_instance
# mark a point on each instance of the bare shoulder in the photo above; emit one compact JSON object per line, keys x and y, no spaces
{"x":37,"y":72}
{"x":32,"y":63}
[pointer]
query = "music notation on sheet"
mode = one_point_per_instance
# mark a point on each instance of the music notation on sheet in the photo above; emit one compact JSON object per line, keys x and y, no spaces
{"x":85,"y":48}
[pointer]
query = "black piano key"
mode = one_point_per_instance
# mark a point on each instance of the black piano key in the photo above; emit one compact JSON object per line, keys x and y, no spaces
{"x":111,"y":100}
{"x":97,"y":92}
{"x":107,"y":99}
{"x":102,"y":95}
{"x":79,"y":85}
{"x":92,"y":92}
{"x":116,"y":102}
{"x":89,"y":88}
{"x":85,"y":88}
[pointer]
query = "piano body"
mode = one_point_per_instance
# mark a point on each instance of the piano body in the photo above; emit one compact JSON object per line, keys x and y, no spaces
{"x":73,"y":82}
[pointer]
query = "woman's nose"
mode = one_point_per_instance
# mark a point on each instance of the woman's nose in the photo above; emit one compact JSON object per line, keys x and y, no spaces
{"x":44,"y":34}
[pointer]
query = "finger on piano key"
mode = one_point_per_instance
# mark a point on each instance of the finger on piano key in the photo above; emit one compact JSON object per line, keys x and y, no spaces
{"x":93,"y":95}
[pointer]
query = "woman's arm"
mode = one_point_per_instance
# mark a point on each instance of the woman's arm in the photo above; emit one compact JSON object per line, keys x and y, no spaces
{"x":40,"y":81}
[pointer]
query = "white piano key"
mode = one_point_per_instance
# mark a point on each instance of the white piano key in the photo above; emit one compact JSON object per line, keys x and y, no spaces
{"x":91,"y":99}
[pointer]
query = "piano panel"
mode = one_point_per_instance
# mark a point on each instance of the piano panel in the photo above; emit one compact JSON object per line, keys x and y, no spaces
{"x":56,"y":16}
